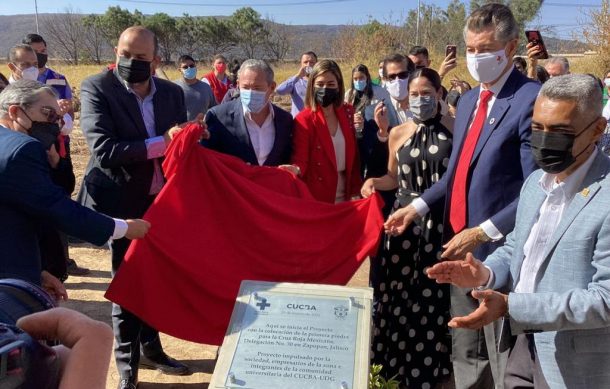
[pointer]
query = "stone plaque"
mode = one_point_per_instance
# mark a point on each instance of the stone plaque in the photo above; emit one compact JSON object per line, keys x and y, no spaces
{"x":284,"y":335}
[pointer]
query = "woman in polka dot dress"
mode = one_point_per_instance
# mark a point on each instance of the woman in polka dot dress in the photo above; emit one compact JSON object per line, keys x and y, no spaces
{"x":411,"y":338}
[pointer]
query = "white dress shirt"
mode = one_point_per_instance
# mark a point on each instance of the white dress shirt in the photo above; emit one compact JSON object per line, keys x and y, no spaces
{"x":559,"y":196}
{"x":488,"y":227}
{"x":261,"y":137}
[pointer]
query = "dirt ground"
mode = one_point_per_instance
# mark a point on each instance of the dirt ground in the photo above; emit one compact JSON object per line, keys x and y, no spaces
{"x":86,"y":294}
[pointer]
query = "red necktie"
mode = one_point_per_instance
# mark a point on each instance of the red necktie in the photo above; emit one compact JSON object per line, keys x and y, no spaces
{"x":459,"y":193}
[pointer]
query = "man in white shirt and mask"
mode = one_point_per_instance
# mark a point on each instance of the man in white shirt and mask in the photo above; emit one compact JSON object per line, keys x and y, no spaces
{"x":251,"y":127}
{"x":22,"y":63}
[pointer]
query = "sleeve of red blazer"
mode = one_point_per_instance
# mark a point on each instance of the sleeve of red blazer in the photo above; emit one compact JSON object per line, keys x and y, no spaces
{"x":301,"y":140}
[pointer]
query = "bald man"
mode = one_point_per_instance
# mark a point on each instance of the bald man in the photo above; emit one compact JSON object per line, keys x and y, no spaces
{"x":128,"y":118}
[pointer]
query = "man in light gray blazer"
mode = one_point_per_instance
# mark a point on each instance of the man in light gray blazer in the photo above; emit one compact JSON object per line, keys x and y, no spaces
{"x":556,"y":262}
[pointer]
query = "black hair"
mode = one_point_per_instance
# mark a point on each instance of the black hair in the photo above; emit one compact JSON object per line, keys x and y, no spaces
{"x":521,"y":62}
{"x":430,"y":74}
{"x":397,"y":58}
{"x":311,"y":54}
{"x":185,"y":57}
{"x":33,"y":38}
{"x":541,"y":74}
{"x":367,"y":94}
{"x":419,"y":50}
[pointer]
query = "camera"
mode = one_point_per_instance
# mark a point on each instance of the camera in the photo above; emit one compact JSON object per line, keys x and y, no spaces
{"x":25,"y":363}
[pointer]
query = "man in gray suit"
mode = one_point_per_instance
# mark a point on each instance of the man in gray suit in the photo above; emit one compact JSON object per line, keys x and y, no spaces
{"x":556,"y":262}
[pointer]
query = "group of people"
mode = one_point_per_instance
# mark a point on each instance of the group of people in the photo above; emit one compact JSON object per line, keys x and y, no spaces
{"x":493,"y":268}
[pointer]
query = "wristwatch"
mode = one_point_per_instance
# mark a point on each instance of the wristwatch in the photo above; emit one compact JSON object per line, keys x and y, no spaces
{"x":482,"y":236}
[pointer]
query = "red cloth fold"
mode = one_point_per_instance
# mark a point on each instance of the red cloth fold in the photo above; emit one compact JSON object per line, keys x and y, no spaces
{"x":219,"y":221}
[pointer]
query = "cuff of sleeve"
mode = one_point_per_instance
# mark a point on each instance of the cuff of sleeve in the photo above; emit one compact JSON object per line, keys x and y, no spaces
{"x":155,"y":147}
{"x":382,"y":139}
{"x":120,"y":229}
{"x":492,"y":278}
{"x":420,"y":206}
{"x":490,"y":230}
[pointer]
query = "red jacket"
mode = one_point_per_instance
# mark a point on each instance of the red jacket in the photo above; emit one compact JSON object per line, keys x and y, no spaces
{"x":219,"y":89}
{"x":314,"y":154}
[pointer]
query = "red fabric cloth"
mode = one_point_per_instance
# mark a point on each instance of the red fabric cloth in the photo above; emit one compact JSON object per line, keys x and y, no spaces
{"x":314,"y":154}
{"x":219,"y":89}
{"x":219,"y":221}
{"x":458,"y":206}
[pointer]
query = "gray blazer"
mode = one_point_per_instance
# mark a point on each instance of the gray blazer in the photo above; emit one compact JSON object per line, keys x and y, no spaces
{"x":569,"y":313}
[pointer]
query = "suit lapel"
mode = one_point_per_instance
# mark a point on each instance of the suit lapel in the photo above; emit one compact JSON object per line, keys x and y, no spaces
{"x":130,"y":102}
{"x":466,"y":106}
{"x":324,"y":136}
{"x":241,"y":131}
{"x":497,"y":113}
{"x":591,"y":182}
{"x":272,"y":158}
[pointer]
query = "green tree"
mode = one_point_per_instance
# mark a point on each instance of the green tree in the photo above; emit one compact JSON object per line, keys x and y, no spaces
{"x":250,"y":31}
{"x":115,"y":20}
{"x":164,"y":27}
{"x":189,"y":35}
{"x":216,"y":35}
{"x":455,"y":17}
{"x":93,"y":38}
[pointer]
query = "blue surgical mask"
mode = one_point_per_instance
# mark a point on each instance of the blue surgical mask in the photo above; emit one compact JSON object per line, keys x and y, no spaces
{"x":189,"y":73}
{"x":359,"y":85}
{"x":422,"y":107}
{"x":252,"y":100}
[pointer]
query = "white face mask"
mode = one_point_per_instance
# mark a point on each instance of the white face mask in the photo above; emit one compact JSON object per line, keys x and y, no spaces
{"x":398,"y":88}
{"x":607,"y":82}
{"x":381,"y":74}
{"x":486,"y":67}
{"x":30,"y":74}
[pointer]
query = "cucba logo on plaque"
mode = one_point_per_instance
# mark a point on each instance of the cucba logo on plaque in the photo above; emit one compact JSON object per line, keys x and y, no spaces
{"x":341,"y":311}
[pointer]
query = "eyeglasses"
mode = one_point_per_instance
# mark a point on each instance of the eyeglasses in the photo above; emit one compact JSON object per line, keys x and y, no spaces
{"x":51,"y":114}
{"x":187,"y":66}
{"x":402,"y":75}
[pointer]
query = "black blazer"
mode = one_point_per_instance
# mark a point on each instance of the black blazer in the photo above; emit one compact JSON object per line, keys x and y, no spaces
{"x":29,"y":197}
{"x":119,"y":175}
{"x":229,"y":134}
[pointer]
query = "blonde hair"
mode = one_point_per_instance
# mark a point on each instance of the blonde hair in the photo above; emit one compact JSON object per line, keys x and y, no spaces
{"x":324,"y":66}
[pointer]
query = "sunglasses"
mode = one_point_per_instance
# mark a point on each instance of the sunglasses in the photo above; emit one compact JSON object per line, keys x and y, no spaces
{"x":402,"y":75}
{"x":187,"y":66}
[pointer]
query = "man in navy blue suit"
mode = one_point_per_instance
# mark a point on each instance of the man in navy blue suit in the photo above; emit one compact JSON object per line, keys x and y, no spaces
{"x":28,"y":129}
{"x":488,"y":165}
{"x":252,"y":128}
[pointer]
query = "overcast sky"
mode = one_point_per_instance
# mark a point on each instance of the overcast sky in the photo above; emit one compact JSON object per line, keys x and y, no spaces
{"x":563,"y":15}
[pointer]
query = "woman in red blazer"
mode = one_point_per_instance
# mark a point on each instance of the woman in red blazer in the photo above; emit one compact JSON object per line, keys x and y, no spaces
{"x":325,"y":153}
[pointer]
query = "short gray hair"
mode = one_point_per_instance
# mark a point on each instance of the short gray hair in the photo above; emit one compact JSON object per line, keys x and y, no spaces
{"x":24,"y":93}
{"x":257,"y":65}
{"x":583,"y":89}
{"x":496,"y":16}
{"x":12,"y":54}
{"x":563,"y":61}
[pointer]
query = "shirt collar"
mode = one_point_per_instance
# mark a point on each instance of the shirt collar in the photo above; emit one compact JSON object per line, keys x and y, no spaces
{"x":497,"y":87}
{"x":248,"y":115}
{"x":153,"y":87}
{"x":570,"y":185}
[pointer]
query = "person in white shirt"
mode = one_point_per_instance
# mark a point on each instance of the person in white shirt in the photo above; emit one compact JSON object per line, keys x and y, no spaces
{"x":251,"y":127}
{"x":555,"y":263}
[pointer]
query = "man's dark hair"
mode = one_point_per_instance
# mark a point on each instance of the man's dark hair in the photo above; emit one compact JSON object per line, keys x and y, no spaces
{"x":521,"y":62}
{"x":185,"y":57}
{"x":397,"y":58}
{"x":310,"y":53}
{"x":419,"y":50}
{"x":33,"y":38}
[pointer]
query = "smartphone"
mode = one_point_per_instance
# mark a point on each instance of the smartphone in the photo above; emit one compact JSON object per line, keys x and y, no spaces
{"x":534,"y":36}
{"x":451,"y":50}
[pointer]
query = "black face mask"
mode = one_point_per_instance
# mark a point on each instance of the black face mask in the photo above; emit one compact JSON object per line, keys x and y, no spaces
{"x":42,"y":60}
{"x":326,"y":96}
{"x":133,"y":70}
{"x":46,"y":133}
{"x":553,"y":150}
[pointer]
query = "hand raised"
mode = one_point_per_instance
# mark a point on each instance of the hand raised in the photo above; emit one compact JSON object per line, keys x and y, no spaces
{"x":470,"y":273}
